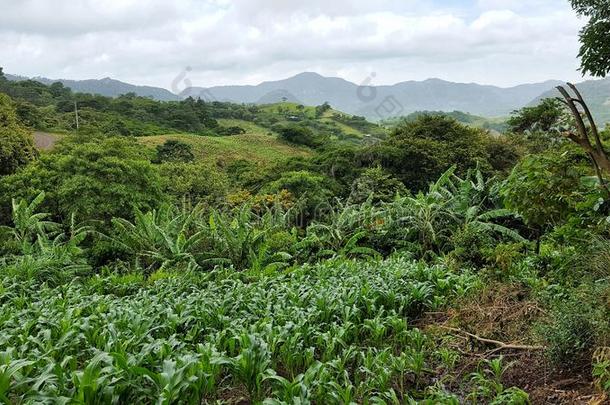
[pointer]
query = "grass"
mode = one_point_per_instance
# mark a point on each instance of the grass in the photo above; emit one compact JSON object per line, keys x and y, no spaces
{"x":293,"y":108}
{"x":254,"y":147}
{"x":249,"y":127}
{"x":328,"y":118}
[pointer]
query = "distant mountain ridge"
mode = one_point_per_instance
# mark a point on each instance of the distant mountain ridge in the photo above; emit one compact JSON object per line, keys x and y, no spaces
{"x":375,"y":103}
{"x":595,"y":92}
{"x":382,"y":102}
{"x":106,"y":87}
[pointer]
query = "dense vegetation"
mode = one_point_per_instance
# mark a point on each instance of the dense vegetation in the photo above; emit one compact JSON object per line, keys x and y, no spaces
{"x":150,"y":257}
{"x":52,"y":109}
{"x":492,"y":124}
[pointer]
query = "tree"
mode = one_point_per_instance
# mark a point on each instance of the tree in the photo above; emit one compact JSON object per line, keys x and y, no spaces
{"x":595,"y":36}
{"x":175,"y":151}
{"x":418,"y":152}
{"x":543,"y":117}
{"x":374,"y":183}
{"x":299,"y":135}
{"x":193,"y":182}
{"x":321,"y":109}
{"x":308,"y":188}
{"x":545,"y":189}
{"x":16,"y":143}
{"x":97,"y":179}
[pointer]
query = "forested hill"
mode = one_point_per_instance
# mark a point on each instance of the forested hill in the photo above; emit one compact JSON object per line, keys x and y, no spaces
{"x":105,"y":87}
{"x":51,"y":108}
{"x":410,"y":96}
{"x":312,"y":89}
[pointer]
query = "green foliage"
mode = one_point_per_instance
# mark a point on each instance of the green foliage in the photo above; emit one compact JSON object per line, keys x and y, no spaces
{"x":374,"y":183}
{"x":175,"y":151}
{"x":333,"y":331}
{"x":418,"y":152}
{"x":544,"y":117}
{"x":494,"y":124}
{"x":540,"y":127}
{"x":311,"y":190}
{"x":193,"y":183}
{"x":545,"y":189}
{"x":594,"y":37}
{"x":292,"y":282}
{"x":578,"y":323}
{"x":321,"y":109}
{"x":197,"y":240}
{"x":16,"y":144}
{"x":95,"y":179}
{"x":229,"y":131}
{"x":39,"y":250}
{"x":488,"y":387}
{"x":299,"y":135}
{"x":601,"y":370}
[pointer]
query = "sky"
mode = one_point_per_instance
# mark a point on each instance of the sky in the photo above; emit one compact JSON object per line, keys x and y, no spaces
{"x":213,"y":42}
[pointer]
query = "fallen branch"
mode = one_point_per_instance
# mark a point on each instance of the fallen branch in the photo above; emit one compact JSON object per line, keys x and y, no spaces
{"x":500,"y":345}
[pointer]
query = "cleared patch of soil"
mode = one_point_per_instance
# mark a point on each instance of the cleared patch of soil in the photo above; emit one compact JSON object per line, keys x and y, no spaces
{"x":45,"y":140}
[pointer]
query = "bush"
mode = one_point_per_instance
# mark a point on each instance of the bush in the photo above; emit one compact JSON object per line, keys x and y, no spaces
{"x":193,"y":183}
{"x":175,"y":151}
{"x":299,"y":135}
{"x":579,"y":321}
{"x":16,"y":143}
{"x":230,"y":131}
{"x":98,"y":180}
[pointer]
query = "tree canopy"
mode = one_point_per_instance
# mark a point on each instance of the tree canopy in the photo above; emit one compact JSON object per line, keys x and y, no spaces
{"x":16,"y":143}
{"x":595,"y":36}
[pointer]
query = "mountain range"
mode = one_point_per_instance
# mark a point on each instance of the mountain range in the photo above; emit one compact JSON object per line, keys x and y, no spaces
{"x":372,"y":102}
{"x":595,"y":92}
{"x":106,"y":87}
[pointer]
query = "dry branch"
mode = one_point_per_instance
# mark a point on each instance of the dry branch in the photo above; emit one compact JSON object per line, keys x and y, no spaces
{"x":500,"y":345}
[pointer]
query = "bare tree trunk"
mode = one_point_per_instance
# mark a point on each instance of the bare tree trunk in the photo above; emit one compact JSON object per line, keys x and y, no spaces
{"x":597,"y":153}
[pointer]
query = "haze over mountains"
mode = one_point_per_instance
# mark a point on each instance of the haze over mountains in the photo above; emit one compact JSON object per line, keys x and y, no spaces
{"x":375,"y":103}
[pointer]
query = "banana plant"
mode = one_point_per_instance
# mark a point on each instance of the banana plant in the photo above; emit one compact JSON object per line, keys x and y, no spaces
{"x":162,"y":238}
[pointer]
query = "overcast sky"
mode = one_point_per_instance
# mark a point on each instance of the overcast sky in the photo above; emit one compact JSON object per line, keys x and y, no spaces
{"x":501,"y":42}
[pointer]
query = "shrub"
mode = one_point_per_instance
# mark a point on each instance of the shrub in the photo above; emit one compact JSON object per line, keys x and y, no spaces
{"x":98,"y":180}
{"x":193,"y":183}
{"x":579,"y":321}
{"x":16,"y":143}
{"x":175,"y":151}
{"x":299,"y":135}
{"x":230,"y":131}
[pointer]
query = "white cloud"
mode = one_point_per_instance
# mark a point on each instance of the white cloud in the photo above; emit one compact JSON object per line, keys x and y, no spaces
{"x":246,"y":41}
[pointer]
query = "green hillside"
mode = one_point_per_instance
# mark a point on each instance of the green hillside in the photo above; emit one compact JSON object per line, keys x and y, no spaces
{"x":207,"y":252}
{"x":254,"y":147}
{"x":219,"y":133}
{"x":321,"y":119}
{"x":493,"y":124}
